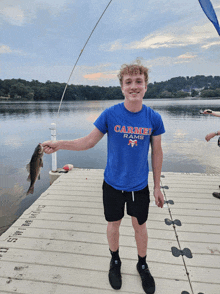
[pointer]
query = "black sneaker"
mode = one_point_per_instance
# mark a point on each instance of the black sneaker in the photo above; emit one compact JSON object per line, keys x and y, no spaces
{"x":148,"y":283}
{"x":115,"y":274}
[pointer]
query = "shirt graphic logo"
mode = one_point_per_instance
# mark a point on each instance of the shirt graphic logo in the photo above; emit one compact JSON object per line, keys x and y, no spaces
{"x":132,"y":130}
{"x":132,"y":142}
{"x":133,"y":134}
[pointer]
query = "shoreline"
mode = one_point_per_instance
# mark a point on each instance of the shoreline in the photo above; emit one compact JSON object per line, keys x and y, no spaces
{"x":68,"y":101}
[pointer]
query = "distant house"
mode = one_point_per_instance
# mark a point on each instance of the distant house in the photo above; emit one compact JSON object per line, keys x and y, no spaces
{"x":191,"y":88}
{"x":5,"y":97}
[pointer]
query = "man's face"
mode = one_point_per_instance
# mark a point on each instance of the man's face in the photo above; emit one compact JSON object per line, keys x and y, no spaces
{"x":134,"y":87}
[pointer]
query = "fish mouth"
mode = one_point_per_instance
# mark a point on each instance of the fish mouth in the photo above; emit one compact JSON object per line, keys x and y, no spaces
{"x":41,"y":148}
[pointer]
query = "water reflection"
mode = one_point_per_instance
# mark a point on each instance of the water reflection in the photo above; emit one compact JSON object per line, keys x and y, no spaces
{"x":40,"y":109}
{"x":177,"y":111}
{"x":22,"y":109}
{"x":24,"y":125}
{"x":185,"y":109}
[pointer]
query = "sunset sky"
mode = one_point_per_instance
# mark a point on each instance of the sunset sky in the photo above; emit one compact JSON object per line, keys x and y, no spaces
{"x":42,"y":39}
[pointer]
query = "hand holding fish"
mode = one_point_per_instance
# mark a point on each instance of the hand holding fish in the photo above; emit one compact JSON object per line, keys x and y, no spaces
{"x":207,"y":111}
{"x":50,"y":146}
{"x":212,"y":112}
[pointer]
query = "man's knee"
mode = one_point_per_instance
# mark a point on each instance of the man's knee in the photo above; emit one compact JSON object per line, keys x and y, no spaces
{"x":138,"y":228}
{"x":113,"y":226}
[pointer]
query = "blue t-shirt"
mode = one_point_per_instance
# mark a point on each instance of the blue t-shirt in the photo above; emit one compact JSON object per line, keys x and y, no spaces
{"x":128,"y":145}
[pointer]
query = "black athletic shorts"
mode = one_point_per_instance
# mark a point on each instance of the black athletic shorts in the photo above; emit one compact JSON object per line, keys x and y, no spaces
{"x":114,"y":203}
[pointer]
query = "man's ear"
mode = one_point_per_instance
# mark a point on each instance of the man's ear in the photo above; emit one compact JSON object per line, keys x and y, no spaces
{"x":122,"y":89}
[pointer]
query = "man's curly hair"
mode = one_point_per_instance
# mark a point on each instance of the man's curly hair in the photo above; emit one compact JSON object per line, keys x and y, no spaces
{"x":133,"y":69}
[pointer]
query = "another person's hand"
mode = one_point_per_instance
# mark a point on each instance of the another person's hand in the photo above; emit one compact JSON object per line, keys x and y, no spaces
{"x":159,"y":199}
{"x":207,"y":111}
{"x":209,"y":136}
{"x":50,"y":146}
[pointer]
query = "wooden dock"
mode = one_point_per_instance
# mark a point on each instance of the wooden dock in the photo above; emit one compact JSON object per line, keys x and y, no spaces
{"x":59,"y":244}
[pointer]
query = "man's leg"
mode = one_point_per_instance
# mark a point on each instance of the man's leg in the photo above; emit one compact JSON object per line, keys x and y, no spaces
{"x":141,"y":238}
{"x":115,"y":264}
{"x":114,"y":203}
{"x":113,"y":235}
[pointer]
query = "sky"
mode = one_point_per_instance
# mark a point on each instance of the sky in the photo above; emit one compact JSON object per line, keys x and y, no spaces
{"x":42,"y":40}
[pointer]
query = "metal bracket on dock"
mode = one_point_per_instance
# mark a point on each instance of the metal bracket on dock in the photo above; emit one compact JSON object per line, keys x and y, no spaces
{"x":169,"y":202}
{"x":162,"y":176}
{"x":186,"y":251}
{"x":175,"y":222}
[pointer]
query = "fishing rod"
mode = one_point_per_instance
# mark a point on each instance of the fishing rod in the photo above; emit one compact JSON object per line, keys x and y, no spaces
{"x":81,"y":54}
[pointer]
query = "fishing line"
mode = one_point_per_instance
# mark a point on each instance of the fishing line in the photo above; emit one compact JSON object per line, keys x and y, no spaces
{"x":80,"y":56}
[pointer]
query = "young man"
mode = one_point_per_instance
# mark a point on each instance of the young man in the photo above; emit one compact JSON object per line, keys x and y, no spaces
{"x":131,"y":128}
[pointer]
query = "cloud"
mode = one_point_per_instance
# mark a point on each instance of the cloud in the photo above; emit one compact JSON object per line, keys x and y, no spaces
{"x":100,"y":76}
{"x":117,"y":45}
{"x":155,"y":42}
{"x":152,"y":41}
{"x":4,"y":49}
{"x":169,"y":40}
{"x":186,"y":56}
{"x":14,"y":15}
{"x":166,"y":60}
{"x":100,"y":73}
{"x":22,"y":13}
{"x":207,"y":46}
{"x":170,"y":37}
{"x":113,"y":46}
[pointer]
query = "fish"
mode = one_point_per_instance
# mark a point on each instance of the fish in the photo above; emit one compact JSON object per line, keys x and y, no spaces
{"x":34,"y":167}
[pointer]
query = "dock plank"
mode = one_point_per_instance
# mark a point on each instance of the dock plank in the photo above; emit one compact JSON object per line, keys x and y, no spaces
{"x":198,"y":211}
{"x":59,"y":244}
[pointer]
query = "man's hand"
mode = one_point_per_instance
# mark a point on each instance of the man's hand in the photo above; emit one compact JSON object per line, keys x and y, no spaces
{"x":210,"y":136}
{"x":207,"y":111}
{"x":159,"y":199}
{"x":50,"y":146}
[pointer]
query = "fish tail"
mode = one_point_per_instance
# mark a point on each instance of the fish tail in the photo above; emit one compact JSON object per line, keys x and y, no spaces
{"x":30,"y":190}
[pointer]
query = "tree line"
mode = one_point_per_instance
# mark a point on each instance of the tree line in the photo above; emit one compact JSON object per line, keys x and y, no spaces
{"x":179,"y":87}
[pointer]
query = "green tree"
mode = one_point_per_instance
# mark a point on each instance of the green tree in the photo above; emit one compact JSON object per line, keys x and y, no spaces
{"x":181,"y":94}
{"x":194,"y":93}
{"x":19,"y":89}
{"x":208,"y":93}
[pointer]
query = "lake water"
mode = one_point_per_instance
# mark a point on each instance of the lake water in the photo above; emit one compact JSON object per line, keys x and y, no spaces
{"x":24,"y":125}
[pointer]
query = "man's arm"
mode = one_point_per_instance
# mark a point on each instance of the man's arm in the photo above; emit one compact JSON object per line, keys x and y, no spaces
{"x":80,"y":144}
{"x":211,"y":135}
{"x":157,"y":160}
